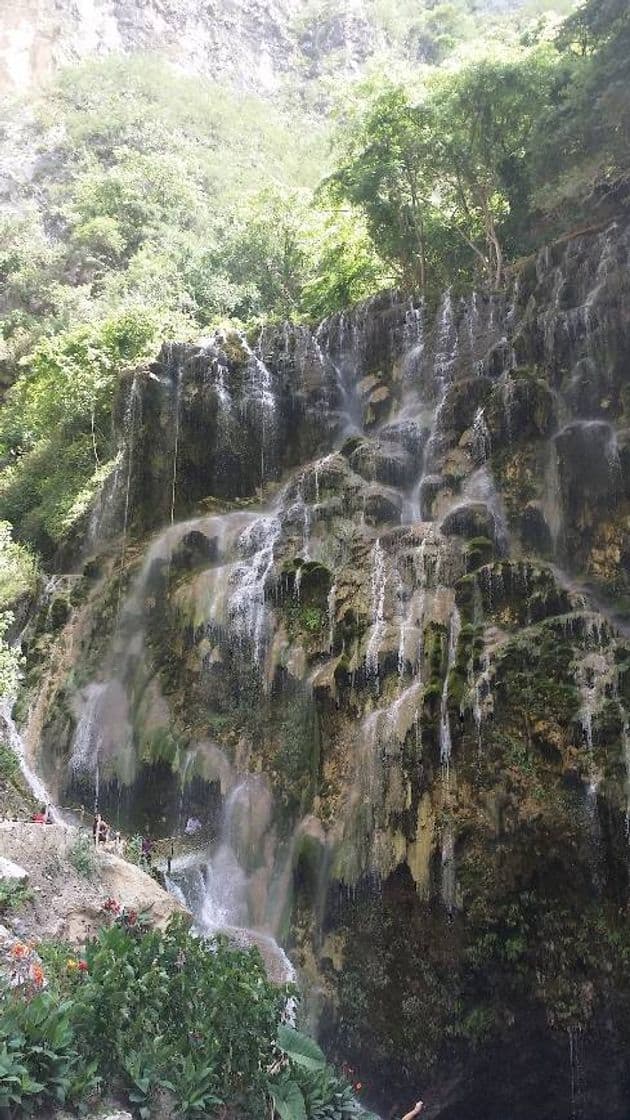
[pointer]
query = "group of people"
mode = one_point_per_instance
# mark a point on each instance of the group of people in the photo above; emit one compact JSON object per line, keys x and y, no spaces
{"x":102,"y":833}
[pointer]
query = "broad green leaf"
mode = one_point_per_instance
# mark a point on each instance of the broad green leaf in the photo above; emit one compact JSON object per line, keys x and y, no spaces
{"x":288,"y":1101}
{"x":300,"y":1049}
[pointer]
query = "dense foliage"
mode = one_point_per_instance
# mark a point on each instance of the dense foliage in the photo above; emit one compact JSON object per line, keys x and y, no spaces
{"x":158,"y":1016}
{"x":487,"y":160}
{"x":18,"y":582}
{"x":160,"y":205}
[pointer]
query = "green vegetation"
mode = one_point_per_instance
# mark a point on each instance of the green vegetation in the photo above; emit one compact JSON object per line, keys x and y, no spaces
{"x":470,"y":171}
{"x":10,"y":660}
{"x":168,"y":204}
{"x":18,"y":569}
{"x":82,"y":856}
{"x":13,"y":895}
{"x":18,"y":581}
{"x":55,"y":427}
{"x":9,"y":764}
{"x":160,"y":1018}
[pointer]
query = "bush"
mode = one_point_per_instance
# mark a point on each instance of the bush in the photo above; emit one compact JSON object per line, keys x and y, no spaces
{"x":9,"y":765}
{"x":18,"y":568}
{"x":13,"y":895}
{"x":82,"y":856}
{"x":162,"y":1013}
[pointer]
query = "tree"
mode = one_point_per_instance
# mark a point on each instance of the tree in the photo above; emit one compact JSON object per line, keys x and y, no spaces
{"x":456,"y":163}
{"x":484,"y":116}
{"x":389,"y":172}
{"x":345,"y":267}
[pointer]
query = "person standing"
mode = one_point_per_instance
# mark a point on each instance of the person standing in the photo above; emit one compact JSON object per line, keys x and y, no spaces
{"x":146,"y":850}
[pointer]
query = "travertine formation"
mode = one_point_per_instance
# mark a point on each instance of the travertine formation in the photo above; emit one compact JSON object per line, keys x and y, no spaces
{"x":354,"y":599}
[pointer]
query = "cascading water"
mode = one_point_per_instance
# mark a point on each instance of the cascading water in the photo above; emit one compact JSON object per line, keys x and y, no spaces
{"x":446,"y":745}
{"x":247,"y":599}
{"x":176,"y":431}
{"x":379,"y":584}
{"x":260,"y":396}
{"x":221,"y":887}
{"x":32,"y":779}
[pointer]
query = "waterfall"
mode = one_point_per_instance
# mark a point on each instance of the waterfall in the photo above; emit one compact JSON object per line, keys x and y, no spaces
{"x":221,"y":887}
{"x":378,"y":586}
{"x":482,"y":444}
{"x":17,"y":745}
{"x":446,"y":745}
{"x":446,"y":345}
{"x":261,"y":394}
{"x":625,"y":743}
{"x":326,"y":361}
{"x":133,"y":406}
{"x":575,"y":1073}
{"x":177,"y":409}
{"x":448,"y":868}
{"x":247,"y":601}
{"x":332,"y":607}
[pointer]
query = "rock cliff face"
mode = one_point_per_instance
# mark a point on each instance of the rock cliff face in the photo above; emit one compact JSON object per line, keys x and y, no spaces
{"x":251,"y":43}
{"x":360,"y":593}
{"x":257,"y":45}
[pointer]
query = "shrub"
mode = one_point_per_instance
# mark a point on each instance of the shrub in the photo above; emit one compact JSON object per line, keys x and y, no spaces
{"x":82,"y":856}
{"x":9,"y":764}
{"x":13,"y":894}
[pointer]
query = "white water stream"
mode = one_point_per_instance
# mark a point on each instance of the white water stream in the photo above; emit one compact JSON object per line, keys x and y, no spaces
{"x":33,"y":781}
{"x":222,"y":885}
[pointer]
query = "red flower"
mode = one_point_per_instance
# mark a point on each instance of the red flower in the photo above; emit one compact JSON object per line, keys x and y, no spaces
{"x":359,"y":1086}
{"x":37,"y":973}
{"x":83,"y":966}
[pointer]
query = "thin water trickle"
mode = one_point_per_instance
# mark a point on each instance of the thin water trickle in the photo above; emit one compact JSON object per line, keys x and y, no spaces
{"x":448,"y":868}
{"x":332,"y":612}
{"x":177,"y":409}
{"x":482,"y":443}
{"x":446,"y":745}
{"x":378,"y":587}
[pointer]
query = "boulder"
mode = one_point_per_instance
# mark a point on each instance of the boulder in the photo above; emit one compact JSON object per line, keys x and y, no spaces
{"x":12,"y":872}
{"x":378,"y":461}
{"x":473,"y":519}
{"x":382,"y":506}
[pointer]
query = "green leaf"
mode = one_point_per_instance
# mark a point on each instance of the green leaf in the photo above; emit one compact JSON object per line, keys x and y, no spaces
{"x":300,"y":1049}
{"x":288,"y":1101}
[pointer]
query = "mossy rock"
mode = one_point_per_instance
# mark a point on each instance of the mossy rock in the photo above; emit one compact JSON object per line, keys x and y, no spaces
{"x":59,"y":613}
{"x":470,"y":520}
{"x":479,"y":551}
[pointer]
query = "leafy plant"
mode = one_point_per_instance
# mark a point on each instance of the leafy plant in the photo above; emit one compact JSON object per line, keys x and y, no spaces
{"x":9,"y":765}
{"x":82,"y":856}
{"x":305,"y":1088}
{"x":13,"y":894}
{"x":163,"y":1014}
